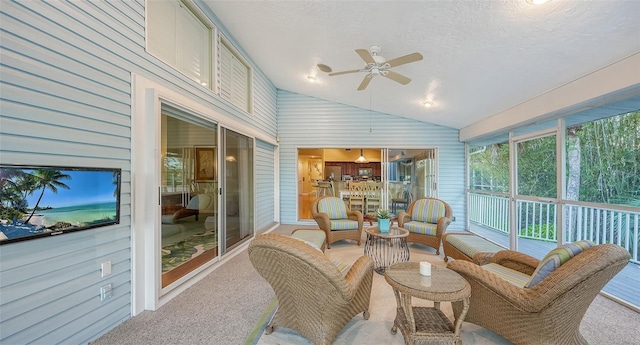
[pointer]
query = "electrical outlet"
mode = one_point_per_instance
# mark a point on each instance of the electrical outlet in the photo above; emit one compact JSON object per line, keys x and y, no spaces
{"x":106,"y":268}
{"x":105,"y":292}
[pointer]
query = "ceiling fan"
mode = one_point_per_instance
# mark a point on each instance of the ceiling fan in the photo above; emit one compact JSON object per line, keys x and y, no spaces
{"x":378,"y":65}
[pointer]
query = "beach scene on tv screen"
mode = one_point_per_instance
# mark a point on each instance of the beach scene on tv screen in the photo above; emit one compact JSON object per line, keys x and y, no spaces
{"x":35,"y":201}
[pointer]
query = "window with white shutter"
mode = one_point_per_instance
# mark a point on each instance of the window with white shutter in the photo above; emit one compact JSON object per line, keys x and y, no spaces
{"x":235,"y":77}
{"x":180,"y":38}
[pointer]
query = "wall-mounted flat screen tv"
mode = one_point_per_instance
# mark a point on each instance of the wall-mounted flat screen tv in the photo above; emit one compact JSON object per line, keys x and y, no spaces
{"x":40,"y":201}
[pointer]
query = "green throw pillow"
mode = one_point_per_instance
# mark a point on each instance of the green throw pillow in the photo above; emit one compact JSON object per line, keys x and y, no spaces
{"x":556,"y":258}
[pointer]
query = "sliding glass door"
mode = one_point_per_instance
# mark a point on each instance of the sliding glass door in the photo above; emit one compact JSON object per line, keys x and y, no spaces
{"x":188,"y":193}
{"x":237,"y":189}
{"x":412,"y":174}
{"x":195,"y":174}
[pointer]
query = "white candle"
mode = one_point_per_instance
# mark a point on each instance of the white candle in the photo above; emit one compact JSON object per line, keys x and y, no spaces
{"x":425,"y":268}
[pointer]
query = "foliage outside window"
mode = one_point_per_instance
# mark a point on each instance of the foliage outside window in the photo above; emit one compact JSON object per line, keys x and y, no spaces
{"x":489,"y":167}
{"x":603,"y":160}
{"x":603,"y":163}
{"x":173,"y":170}
{"x":537,"y":167}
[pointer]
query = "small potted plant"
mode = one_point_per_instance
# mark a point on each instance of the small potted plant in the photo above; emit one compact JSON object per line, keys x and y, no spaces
{"x":383,"y":220}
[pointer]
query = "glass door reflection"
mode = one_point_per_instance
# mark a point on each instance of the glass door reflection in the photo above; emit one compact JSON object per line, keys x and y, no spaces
{"x":188,"y":198}
{"x":412,"y":174}
{"x":237,"y":191}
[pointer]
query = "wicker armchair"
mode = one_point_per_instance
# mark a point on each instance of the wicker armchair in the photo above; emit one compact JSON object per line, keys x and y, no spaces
{"x":338,"y":222}
{"x":549,"y":312}
{"x":315,"y":299}
{"x":426,"y":219}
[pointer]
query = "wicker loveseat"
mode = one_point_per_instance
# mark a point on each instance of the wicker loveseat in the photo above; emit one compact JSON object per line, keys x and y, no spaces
{"x":337,"y":221}
{"x":548,"y":312}
{"x":426,"y":219}
{"x":315,"y":299}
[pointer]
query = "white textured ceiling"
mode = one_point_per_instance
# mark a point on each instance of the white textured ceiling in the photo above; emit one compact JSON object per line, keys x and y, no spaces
{"x":480,"y":57}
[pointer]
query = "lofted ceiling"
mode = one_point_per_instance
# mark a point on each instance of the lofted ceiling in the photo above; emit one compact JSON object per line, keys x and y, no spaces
{"x":480,"y":57}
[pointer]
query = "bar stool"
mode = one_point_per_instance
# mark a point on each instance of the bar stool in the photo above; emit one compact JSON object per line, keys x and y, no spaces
{"x":403,"y":200}
{"x":324,"y":188}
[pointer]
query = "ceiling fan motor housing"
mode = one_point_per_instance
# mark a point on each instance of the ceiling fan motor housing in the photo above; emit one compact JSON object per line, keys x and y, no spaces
{"x":375,"y":54}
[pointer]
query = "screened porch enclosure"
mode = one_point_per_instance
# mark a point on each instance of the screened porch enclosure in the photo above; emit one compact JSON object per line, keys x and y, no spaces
{"x":488,"y":217}
{"x":575,"y":178}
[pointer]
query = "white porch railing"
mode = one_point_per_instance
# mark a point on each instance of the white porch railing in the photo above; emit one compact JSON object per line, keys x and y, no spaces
{"x":602,"y":225}
{"x":490,"y":211}
{"x":537,"y":221}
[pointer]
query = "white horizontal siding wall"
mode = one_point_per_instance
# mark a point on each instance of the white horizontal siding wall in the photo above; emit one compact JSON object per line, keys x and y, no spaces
{"x":66,"y":100}
{"x":310,"y":122}
{"x":265,"y":186}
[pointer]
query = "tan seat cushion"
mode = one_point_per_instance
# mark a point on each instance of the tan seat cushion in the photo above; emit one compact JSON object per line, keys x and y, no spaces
{"x":514,"y":277}
{"x":470,"y":245}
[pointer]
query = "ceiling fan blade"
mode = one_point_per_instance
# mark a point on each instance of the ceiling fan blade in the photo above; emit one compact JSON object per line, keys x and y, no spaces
{"x":365,"y":82}
{"x":405,"y":59}
{"x":345,"y":72}
{"x":366,"y":56}
{"x":397,"y":77}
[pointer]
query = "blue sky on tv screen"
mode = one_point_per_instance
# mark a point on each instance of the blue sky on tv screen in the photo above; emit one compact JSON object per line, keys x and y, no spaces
{"x":85,"y":187}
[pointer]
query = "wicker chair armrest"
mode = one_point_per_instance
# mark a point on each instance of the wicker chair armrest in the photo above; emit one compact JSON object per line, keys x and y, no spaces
{"x":355,"y":215}
{"x":483,"y":258}
{"x":358,"y":273}
{"x":443,"y":223}
{"x":516,"y":261}
{"x":403,"y":217}
{"x":519,"y":297}
{"x":324,"y":223}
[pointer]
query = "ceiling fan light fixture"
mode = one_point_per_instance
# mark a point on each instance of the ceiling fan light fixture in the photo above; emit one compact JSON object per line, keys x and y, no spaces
{"x":361,"y":159}
{"x":428,"y":104}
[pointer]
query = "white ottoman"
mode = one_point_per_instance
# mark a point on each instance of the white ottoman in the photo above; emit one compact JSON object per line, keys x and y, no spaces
{"x":315,"y":237}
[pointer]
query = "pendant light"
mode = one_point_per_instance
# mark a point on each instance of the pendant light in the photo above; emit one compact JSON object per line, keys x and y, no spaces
{"x":361,"y":159}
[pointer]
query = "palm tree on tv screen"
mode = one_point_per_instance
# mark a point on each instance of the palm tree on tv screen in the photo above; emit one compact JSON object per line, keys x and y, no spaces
{"x":15,"y":185}
{"x":27,"y":184}
{"x":48,"y":178}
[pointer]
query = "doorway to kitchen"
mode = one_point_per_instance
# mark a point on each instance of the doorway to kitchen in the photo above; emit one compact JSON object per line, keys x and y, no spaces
{"x":328,"y":171}
{"x":404,"y":175}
